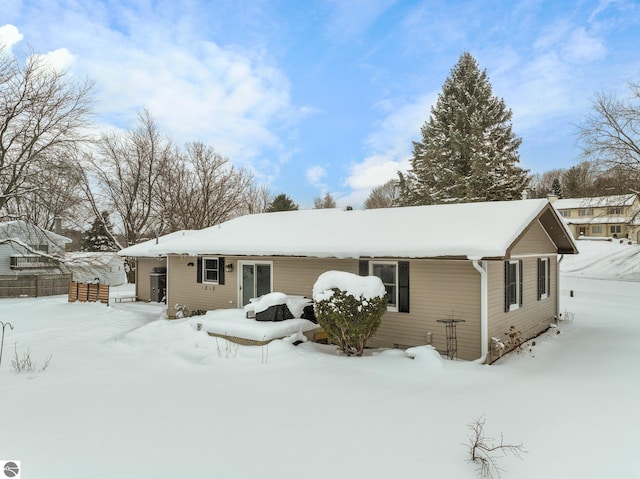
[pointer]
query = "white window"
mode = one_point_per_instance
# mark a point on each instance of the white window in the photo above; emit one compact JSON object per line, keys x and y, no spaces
{"x":564,"y":212}
{"x":210,"y":270}
{"x":544,"y":278}
{"x":585,"y":212}
{"x":616,"y":229}
{"x":387,"y":271}
{"x":596,"y":229}
{"x":513,"y":285}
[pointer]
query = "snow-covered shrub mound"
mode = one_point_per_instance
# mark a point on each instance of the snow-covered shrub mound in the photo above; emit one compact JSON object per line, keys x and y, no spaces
{"x":349,"y":308}
{"x":367,"y":287}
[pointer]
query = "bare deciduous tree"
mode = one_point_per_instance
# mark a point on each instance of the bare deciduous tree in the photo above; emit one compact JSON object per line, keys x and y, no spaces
{"x":611,"y":134}
{"x":127,"y":170}
{"x":382,"y":196}
{"x":43,"y":115}
{"x":201,"y":188}
{"x":257,"y":198}
{"x":55,"y":195}
{"x":326,"y":201}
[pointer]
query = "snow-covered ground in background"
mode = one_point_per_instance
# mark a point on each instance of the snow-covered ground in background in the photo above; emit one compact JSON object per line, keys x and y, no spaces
{"x":130,"y":395}
{"x":616,"y":260}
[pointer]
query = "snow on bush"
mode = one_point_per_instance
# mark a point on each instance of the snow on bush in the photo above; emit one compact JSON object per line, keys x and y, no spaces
{"x":367,"y":287}
{"x":349,"y":308}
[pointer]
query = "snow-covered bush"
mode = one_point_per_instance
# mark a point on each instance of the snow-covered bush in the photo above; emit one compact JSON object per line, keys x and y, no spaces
{"x":349,"y":308}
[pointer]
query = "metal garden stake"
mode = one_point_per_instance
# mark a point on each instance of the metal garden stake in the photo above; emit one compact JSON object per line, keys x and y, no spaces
{"x":4,"y":325}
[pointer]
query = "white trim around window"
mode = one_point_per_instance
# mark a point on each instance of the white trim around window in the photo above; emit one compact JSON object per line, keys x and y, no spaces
{"x":210,"y":269}
{"x":387,"y":271}
{"x":513,"y":284}
{"x":544,"y":278}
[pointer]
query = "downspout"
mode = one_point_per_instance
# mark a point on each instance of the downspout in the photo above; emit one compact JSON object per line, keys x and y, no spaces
{"x":484,"y":311}
{"x":166,"y":290}
{"x":558,"y":288}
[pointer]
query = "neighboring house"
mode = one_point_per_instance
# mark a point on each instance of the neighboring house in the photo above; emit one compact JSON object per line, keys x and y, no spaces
{"x":492,"y":265}
{"x":103,"y":267}
{"x":21,"y":244}
{"x":29,"y":264}
{"x":616,"y":216}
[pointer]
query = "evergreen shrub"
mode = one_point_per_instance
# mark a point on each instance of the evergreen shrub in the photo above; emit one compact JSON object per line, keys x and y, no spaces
{"x":350,"y":321}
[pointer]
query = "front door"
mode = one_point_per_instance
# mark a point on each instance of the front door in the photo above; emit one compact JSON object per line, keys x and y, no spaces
{"x":255,"y":280}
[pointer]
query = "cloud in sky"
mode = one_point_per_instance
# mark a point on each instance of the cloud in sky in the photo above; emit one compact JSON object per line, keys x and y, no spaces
{"x":390,"y":144}
{"x":9,"y":36}
{"x":197,"y":89}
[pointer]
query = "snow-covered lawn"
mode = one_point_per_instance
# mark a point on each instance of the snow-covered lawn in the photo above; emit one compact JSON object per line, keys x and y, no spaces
{"x":129,"y":395}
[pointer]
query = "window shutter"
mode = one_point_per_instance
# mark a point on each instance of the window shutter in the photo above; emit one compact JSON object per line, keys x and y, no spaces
{"x":540,"y":278}
{"x":520,"y":280}
{"x":403,"y":286}
{"x":549,"y":277}
{"x":363,"y":267}
{"x":220,"y":271}
{"x":506,"y":286}
{"x":199,"y":270}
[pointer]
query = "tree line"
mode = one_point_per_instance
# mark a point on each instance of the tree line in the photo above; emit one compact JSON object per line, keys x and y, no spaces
{"x":53,"y":164}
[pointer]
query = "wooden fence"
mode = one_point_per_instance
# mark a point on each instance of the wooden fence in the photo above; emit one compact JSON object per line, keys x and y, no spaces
{"x":91,"y":292}
{"x":33,"y":285}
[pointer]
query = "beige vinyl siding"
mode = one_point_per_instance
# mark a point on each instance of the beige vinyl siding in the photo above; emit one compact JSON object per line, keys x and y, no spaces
{"x":184,"y":289}
{"x":290,"y":275}
{"x":438,"y":290}
{"x":298,"y":275}
{"x":144,"y":266}
{"x":535,"y":241}
{"x":534,"y":316}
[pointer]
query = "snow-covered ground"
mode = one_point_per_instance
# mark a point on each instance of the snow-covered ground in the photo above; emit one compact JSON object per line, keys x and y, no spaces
{"x":129,"y":395}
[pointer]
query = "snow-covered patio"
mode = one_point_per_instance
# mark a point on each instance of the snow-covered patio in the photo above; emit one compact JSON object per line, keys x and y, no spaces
{"x":128,"y":394}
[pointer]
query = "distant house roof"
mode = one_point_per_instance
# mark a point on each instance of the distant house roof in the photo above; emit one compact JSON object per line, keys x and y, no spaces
{"x":595,"y":202}
{"x":29,"y":233}
{"x":471,"y":230}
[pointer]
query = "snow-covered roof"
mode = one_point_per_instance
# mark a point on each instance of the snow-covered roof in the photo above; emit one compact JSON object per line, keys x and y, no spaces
{"x":28,"y":232}
{"x":471,"y":230}
{"x":595,"y":202}
{"x":597,"y":220}
{"x":145,"y":249}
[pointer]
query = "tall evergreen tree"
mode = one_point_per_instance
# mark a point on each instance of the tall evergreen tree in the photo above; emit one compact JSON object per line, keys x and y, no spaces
{"x":468,"y":151}
{"x":281,"y":203}
{"x":556,"y":187}
{"x":98,"y":238}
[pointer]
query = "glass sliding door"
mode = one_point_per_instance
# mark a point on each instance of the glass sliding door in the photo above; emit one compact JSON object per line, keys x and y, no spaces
{"x":255,"y":280}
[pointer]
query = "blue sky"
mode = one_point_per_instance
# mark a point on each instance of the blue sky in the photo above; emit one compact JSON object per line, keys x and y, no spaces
{"x":327,"y":95}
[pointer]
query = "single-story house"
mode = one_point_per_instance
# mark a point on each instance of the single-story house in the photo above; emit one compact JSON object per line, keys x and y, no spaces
{"x":489,"y":265}
{"x":615,"y":216}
